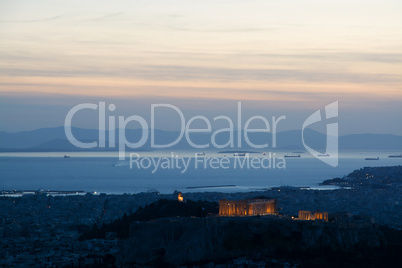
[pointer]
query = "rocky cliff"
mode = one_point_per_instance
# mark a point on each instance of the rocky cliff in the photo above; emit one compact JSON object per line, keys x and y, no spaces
{"x":189,"y":240}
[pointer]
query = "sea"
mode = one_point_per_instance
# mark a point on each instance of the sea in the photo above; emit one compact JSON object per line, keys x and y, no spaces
{"x":182,"y":170}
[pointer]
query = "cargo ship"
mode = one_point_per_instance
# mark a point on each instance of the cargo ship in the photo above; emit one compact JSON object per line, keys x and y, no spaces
{"x":372,"y":158}
{"x":292,"y":155}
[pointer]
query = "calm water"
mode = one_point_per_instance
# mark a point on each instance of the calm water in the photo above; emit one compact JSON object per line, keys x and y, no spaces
{"x":103,"y":172}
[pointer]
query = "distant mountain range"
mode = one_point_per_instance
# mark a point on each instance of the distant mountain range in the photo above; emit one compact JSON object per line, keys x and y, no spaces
{"x":54,"y":139}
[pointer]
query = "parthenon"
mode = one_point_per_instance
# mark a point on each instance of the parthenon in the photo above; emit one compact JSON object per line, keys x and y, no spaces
{"x":248,"y":207}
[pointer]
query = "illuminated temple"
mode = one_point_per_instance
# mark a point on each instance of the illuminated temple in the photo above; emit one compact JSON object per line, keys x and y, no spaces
{"x":312,"y":216}
{"x":248,"y":207}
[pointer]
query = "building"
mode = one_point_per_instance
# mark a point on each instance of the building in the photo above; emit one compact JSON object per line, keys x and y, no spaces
{"x":180,"y":197}
{"x":248,"y":207}
{"x":312,"y":216}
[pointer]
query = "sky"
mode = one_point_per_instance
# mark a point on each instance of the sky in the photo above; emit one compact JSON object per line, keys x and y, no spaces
{"x":277,"y":57}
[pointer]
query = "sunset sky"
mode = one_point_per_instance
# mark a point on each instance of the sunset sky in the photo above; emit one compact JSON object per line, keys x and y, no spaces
{"x":277,"y":57}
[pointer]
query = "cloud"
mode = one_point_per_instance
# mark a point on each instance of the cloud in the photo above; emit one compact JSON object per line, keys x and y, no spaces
{"x":34,"y":20}
{"x":193,"y":73}
{"x":107,"y":17}
{"x":240,"y":29}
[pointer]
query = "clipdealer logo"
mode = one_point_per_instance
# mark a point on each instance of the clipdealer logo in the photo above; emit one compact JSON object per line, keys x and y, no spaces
{"x":119,"y":124}
{"x":186,"y":128}
{"x":330,"y":111}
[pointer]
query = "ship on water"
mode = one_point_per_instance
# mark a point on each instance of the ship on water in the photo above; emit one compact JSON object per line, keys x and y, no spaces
{"x":372,"y":158}
{"x":395,"y":156}
{"x":292,"y":155}
{"x":239,"y":154}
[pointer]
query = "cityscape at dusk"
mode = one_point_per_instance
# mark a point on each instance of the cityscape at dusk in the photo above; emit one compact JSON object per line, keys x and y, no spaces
{"x":183,"y":133}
